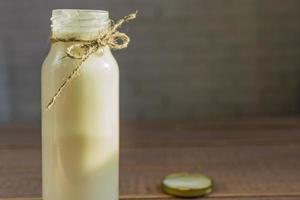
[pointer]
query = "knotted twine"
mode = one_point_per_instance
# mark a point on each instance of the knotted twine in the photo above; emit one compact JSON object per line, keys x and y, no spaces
{"x":111,"y":38}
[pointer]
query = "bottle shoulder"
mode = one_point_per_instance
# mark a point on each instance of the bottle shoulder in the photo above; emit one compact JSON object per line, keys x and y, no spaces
{"x":57,"y":60}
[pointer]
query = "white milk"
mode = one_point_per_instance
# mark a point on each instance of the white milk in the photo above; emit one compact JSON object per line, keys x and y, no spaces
{"x":80,"y":132}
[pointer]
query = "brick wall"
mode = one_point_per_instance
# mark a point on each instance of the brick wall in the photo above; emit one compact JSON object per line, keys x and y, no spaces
{"x":188,"y":59}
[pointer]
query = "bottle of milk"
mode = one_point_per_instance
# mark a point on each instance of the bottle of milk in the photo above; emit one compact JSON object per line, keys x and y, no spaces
{"x":80,"y":131}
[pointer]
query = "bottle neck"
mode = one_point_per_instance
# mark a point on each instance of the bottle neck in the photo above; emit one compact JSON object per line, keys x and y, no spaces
{"x":77,"y":33}
{"x":59,"y":49}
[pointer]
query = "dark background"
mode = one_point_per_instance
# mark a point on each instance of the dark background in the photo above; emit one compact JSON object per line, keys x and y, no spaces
{"x":188,"y":59}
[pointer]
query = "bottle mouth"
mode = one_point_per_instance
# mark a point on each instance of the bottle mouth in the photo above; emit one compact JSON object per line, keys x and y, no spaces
{"x":79,"y":24}
{"x":79,"y":18}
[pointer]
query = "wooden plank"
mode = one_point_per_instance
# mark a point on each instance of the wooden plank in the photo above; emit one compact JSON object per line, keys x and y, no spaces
{"x":202,"y":198}
{"x":236,"y":171}
{"x":245,"y":158}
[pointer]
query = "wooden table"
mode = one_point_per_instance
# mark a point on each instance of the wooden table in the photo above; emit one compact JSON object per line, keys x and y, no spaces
{"x":248,"y":159}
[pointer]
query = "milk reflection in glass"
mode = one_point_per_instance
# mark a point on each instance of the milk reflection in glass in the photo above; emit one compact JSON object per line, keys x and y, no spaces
{"x":80,"y":132}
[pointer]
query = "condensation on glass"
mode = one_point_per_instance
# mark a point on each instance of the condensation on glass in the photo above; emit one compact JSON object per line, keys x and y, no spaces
{"x":80,"y":132}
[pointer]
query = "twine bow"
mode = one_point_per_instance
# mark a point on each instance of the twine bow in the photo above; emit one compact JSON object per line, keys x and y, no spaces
{"x":112,"y":38}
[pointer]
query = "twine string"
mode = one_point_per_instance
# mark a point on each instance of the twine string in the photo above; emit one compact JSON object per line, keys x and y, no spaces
{"x":82,"y":49}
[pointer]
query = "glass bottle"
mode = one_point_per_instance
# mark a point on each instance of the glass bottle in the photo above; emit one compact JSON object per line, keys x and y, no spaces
{"x":80,"y":132}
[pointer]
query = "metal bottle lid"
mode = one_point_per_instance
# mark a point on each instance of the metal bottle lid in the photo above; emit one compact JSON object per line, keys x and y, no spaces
{"x":187,"y":185}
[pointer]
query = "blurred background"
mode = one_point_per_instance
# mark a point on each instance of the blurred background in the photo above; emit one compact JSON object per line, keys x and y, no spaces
{"x":188,"y":59}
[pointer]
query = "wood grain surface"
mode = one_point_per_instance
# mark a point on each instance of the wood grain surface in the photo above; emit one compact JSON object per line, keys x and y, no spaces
{"x":247,"y":159}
